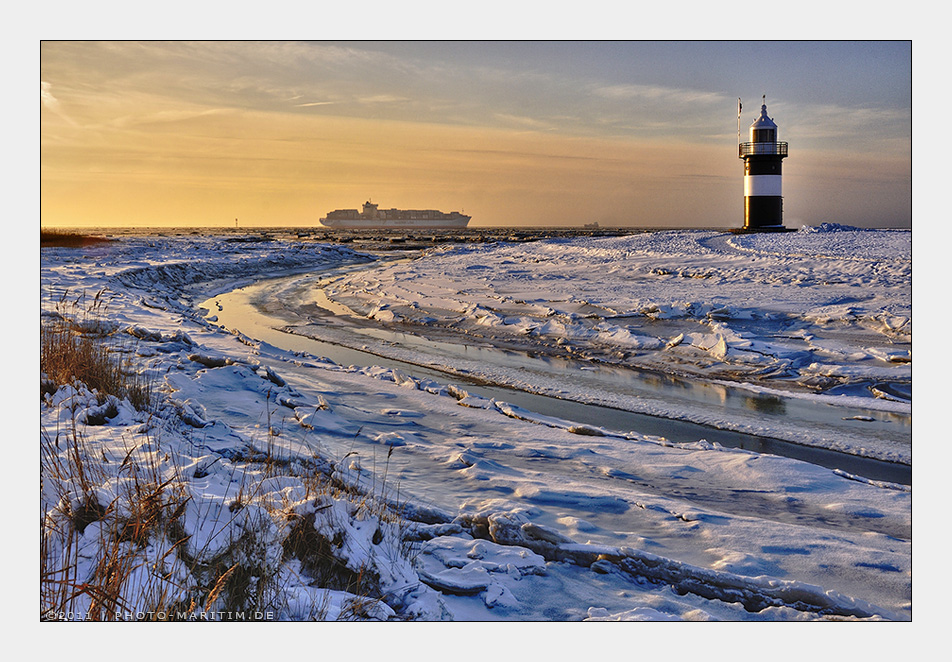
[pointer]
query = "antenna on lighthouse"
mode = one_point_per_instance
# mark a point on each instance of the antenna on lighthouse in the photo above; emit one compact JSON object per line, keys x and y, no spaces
{"x":740,"y":107}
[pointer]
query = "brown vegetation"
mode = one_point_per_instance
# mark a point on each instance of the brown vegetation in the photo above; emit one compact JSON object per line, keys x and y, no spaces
{"x":74,"y":349}
{"x":67,"y":239}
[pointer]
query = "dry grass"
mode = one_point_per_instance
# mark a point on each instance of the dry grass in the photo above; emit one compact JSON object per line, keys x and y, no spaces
{"x":145,"y":567}
{"x":136,"y":534}
{"x":76,"y":348}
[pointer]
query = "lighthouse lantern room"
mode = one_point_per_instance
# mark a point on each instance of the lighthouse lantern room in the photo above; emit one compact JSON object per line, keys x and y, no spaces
{"x":763,"y":156}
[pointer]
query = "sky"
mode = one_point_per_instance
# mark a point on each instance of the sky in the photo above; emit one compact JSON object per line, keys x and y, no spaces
{"x":513,"y":133}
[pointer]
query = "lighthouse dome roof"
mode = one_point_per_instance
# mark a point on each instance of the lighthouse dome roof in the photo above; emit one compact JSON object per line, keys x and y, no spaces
{"x":763,"y":122}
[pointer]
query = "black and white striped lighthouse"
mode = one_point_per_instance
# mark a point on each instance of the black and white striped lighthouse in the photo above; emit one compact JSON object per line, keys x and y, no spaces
{"x":763,"y":193}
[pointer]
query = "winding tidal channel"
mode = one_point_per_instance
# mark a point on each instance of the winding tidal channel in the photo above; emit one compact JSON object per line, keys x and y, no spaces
{"x":290,"y":313}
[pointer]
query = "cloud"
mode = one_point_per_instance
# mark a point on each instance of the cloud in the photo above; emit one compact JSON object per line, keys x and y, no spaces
{"x":46,"y":96}
{"x":524,"y":121}
{"x":51,"y":103}
{"x":166,"y":116}
{"x":382,"y":98}
{"x":657,"y":93}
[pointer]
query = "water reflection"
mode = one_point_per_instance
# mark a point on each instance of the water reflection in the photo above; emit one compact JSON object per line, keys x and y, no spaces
{"x":766,"y":404}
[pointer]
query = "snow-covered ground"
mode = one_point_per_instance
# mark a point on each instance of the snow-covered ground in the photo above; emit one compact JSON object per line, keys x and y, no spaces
{"x":278,"y":465}
{"x":813,"y":308}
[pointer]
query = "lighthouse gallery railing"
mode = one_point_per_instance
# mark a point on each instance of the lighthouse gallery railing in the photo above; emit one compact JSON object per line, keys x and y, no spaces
{"x":778,"y":148}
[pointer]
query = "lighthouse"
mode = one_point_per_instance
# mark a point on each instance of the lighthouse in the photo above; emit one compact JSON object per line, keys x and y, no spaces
{"x":763,"y":156}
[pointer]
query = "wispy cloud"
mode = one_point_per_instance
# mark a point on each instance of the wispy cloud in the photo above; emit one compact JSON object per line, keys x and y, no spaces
{"x":166,"y":116}
{"x":382,"y":98}
{"x":657,"y":93}
{"x":524,"y":121}
{"x":51,"y":103}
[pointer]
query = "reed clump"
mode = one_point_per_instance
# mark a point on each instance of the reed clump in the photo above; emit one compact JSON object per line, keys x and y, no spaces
{"x":283,"y":541}
{"x":76,"y":348}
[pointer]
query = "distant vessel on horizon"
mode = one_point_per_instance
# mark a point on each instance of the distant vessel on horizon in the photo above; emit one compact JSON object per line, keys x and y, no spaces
{"x":372,"y":218}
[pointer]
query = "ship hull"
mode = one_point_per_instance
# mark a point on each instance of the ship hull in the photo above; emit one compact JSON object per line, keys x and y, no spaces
{"x":371,"y":217}
{"x":455,"y":223}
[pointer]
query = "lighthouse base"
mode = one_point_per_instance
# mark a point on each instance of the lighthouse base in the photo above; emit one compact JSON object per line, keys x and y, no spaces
{"x":767,"y":228}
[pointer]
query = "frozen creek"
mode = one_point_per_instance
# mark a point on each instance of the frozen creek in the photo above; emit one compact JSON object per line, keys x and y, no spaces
{"x":649,"y":403}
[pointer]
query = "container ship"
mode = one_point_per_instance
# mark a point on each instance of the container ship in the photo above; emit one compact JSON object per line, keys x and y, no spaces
{"x":372,"y":218}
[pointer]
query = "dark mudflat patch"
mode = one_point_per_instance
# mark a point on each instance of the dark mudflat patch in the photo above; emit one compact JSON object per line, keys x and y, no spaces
{"x":56,"y":239}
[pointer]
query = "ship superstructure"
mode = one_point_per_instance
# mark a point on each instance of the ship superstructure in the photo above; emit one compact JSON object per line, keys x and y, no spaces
{"x":371,"y":217}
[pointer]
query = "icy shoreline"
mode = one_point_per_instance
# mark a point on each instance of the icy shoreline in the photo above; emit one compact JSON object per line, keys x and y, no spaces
{"x":764,"y":553}
{"x":890,"y":447}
